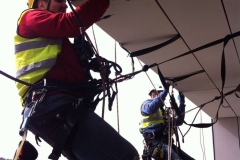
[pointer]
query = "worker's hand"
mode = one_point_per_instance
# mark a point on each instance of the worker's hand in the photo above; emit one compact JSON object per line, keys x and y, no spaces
{"x":167,"y":87}
{"x":181,"y":97}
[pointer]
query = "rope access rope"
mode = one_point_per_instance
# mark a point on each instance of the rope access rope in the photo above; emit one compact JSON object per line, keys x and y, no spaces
{"x":202,"y":140}
{"x":146,"y":74}
{"x":103,"y":103}
{"x":95,"y":39}
{"x":115,"y":49}
{"x":169,"y":134}
{"x":95,"y":53}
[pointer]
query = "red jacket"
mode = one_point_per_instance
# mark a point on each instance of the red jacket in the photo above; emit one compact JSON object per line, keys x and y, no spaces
{"x":42,"y":23}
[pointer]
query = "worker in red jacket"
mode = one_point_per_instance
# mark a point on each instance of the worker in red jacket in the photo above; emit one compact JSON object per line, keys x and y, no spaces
{"x":62,"y":116}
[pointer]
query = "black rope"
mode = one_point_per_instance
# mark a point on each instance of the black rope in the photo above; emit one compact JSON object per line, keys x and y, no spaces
{"x":105,"y":17}
{"x":202,"y":105}
{"x":77,"y":18}
{"x":105,"y":78}
{"x":124,"y":49}
{"x":85,"y":86}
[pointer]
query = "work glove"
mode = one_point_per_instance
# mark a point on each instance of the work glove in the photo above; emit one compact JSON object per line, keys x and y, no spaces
{"x":181,"y":97}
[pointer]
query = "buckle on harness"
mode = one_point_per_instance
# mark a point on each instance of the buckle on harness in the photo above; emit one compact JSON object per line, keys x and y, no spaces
{"x":37,"y":97}
{"x":148,"y":136}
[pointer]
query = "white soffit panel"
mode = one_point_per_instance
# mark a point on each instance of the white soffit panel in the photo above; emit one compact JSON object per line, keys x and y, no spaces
{"x":137,"y":24}
{"x":198,"y":22}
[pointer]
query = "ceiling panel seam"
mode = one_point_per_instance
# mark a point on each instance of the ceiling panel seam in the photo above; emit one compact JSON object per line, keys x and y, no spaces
{"x":229,"y":26}
{"x":159,"y":5}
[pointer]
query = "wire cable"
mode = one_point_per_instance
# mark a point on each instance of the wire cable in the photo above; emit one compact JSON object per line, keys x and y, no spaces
{"x":202,"y":138}
{"x":117,"y":93}
{"x":95,"y":39}
{"x":104,"y":94}
{"x":147,"y":74}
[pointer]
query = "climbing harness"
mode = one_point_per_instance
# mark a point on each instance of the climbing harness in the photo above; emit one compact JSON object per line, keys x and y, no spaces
{"x":36,"y":97}
{"x":148,"y":138}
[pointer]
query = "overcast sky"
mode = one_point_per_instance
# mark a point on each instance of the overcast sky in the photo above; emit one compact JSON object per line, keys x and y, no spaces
{"x":131,"y":94}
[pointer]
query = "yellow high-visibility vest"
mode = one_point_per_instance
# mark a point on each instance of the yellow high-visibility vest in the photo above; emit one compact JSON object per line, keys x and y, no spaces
{"x":156,"y":118}
{"x":34,"y":57}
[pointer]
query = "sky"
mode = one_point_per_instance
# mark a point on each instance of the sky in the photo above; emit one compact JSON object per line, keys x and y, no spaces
{"x":131,"y":94}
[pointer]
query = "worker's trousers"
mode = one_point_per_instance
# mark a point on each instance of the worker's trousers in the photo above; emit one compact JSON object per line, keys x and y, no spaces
{"x":93,"y":138}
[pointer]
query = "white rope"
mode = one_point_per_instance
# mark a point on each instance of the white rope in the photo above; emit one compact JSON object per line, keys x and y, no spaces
{"x":117,"y":93}
{"x":202,"y":138}
{"x":169,"y":135}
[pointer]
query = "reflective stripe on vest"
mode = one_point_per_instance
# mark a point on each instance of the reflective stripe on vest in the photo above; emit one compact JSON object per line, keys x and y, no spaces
{"x":34,"y":57}
{"x":156,"y":118}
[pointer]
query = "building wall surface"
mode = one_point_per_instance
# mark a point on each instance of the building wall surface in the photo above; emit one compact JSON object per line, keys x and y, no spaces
{"x":226,"y":139}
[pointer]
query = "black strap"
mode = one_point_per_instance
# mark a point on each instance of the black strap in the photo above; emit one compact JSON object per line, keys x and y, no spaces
{"x":48,"y":6}
{"x":71,"y":119}
{"x":223,"y":74}
{"x":133,"y":68}
{"x":178,"y":148}
{"x":60,"y":143}
{"x":176,"y":79}
{"x":111,"y":99}
{"x":153,"y":48}
{"x":237,"y":90}
{"x":179,"y":114}
{"x":162,"y":79}
{"x":226,"y":38}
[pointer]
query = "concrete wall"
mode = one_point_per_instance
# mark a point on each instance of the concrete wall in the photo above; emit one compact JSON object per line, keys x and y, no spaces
{"x":226,"y":139}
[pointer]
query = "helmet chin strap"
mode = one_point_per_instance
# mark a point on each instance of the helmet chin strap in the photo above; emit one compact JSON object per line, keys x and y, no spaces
{"x":48,"y":6}
{"x":34,"y":4}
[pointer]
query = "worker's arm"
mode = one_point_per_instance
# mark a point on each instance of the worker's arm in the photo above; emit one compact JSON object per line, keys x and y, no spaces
{"x":152,"y":105}
{"x":42,"y":23}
